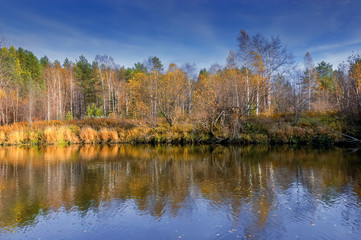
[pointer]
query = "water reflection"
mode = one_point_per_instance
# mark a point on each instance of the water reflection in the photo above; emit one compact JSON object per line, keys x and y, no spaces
{"x":196,"y":192}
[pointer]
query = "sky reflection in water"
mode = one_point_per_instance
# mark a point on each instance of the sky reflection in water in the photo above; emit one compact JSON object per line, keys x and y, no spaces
{"x":164,"y":192}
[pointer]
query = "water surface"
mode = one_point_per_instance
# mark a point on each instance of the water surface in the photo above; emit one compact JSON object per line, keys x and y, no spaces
{"x":164,"y":192}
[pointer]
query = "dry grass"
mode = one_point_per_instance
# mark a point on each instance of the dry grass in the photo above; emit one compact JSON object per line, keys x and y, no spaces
{"x":108,"y":135}
{"x":2,"y":137}
{"x":89,"y":135}
{"x":18,"y":137}
{"x":62,"y":134}
{"x":138,"y":135}
{"x":273,"y":129}
{"x":99,"y":123}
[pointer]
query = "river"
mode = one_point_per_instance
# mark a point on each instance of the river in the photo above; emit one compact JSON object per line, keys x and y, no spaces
{"x":179,"y":192}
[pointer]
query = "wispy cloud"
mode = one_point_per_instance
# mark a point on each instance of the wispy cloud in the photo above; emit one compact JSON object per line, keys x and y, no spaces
{"x":201,"y":30}
{"x":327,"y":47}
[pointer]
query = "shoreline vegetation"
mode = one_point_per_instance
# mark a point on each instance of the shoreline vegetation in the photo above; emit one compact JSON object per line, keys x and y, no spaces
{"x":260,"y":96}
{"x":322,"y":129}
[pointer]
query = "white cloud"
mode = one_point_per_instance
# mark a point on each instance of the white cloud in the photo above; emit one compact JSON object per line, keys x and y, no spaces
{"x":332,"y":46}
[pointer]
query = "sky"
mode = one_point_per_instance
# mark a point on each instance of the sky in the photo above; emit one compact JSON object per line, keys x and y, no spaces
{"x":179,"y":31}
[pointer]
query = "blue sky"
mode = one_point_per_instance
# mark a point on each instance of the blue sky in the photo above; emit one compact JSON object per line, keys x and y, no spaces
{"x":199,"y":31}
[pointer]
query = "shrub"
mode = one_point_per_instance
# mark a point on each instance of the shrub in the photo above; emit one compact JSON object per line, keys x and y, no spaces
{"x":69,"y":117}
{"x":34,"y":137}
{"x":74,"y":129}
{"x":92,"y":111}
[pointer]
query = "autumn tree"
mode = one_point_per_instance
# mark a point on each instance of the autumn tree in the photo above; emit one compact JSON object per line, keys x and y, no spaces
{"x":326,"y":88}
{"x":10,"y":84}
{"x":277,"y":59}
{"x":299,"y":99}
{"x":245,"y":55}
{"x":3,"y":84}
{"x":257,"y":79}
{"x":47,"y":74}
{"x":282,"y":95}
{"x":259,"y":83}
{"x":211,"y":99}
{"x":155,"y":66}
{"x":310,"y":77}
{"x":140,"y":100}
{"x":122,"y":95}
{"x":190,"y":70}
{"x":355,"y":84}
{"x":105,"y":67}
{"x":84,"y":73}
{"x":32,"y":80}
{"x":172,"y":92}
{"x":71,"y":85}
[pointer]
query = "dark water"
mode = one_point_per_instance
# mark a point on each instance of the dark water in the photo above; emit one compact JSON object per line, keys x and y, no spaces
{"x":202,"y":192}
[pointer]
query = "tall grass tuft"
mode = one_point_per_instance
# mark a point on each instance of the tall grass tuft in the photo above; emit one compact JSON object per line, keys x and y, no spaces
{"x":2,"y":137}
{"x":108,"y":135}
{"x":62,"y":134}
{"x":89,"y":135}
{"x":18,"y":137}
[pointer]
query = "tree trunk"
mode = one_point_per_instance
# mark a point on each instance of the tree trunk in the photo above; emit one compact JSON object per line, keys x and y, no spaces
{"x":101,"y":77}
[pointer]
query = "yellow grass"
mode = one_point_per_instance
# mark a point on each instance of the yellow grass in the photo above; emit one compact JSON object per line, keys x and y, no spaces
{"x":17,"y":137}
{"x":61,"y":134}
{"x":275,"y":129}
{"x":89,"y":135}
{"x":109,"y":135}
{"x":2,"y":137}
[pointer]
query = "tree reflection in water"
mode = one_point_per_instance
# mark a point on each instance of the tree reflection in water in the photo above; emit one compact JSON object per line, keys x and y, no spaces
{"x":259,"y":190}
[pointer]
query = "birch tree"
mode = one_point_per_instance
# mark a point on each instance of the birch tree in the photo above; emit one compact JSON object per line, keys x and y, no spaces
{"x":309,"y":77}
{"x":245,"y":53}
{"x":190,"y":70}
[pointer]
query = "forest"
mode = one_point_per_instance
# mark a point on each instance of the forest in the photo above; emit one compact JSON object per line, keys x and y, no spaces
{"x":260,"y":95}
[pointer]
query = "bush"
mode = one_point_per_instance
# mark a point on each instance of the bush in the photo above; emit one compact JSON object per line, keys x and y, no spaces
{"x":92,"y":111}
{"x":35,"y":137}
{"x":69,"y":117}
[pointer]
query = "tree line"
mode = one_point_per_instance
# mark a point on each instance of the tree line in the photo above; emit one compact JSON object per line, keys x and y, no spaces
{"x":260,"y":78}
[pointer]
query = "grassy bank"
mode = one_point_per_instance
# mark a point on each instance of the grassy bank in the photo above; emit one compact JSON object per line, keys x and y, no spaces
{"x":312,"y":129}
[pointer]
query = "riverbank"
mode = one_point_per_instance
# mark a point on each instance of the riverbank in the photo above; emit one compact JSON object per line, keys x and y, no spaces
{"x":312,"y":129}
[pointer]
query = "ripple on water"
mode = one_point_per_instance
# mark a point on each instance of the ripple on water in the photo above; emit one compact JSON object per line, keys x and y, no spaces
{"x":138,"y":192}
